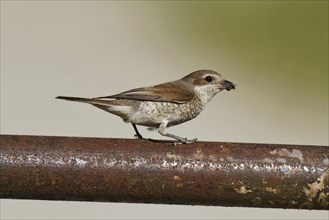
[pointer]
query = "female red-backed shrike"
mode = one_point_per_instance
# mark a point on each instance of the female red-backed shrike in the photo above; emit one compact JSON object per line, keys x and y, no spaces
{"x":163,"y":105}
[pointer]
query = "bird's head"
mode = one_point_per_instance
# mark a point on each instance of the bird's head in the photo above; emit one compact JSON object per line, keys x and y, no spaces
{"x":207,"y":83}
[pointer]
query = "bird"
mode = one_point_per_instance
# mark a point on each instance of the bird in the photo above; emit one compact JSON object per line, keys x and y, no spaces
{"x":163,"y":105}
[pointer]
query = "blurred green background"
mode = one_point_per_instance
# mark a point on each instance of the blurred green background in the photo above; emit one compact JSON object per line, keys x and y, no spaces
{"x":276,"y":51}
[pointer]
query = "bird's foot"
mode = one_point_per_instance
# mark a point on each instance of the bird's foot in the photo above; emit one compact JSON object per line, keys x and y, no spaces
{"x":185,"y":141}
{"x":138,"y":136}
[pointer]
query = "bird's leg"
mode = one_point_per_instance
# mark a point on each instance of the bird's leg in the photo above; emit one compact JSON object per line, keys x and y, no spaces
{"x":162,"y":131}
{"x":138,"y":135}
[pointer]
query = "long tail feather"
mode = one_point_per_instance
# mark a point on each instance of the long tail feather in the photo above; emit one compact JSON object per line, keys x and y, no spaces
{"x":75,"y":99}
{"x":93,"y":101}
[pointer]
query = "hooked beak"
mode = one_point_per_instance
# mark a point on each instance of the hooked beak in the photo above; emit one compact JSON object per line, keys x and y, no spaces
{"x":225,"y":84}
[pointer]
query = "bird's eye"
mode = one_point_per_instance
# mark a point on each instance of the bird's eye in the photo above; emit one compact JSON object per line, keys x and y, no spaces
{"x":208,"y":79}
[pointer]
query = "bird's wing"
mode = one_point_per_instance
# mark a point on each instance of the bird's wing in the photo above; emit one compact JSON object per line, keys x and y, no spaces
{"x":176,"y":91}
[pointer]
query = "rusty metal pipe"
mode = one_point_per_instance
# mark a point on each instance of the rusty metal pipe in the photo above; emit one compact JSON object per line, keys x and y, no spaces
{"x":202,"y":173}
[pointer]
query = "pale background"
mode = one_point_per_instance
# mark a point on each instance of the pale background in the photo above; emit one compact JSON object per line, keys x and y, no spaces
{"x":277,"y":53}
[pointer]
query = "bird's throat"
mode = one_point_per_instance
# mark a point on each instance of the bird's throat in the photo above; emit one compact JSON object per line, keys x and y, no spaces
{"x":205,"y":93}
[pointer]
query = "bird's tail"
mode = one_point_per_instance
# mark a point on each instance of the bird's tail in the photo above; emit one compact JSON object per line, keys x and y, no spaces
{"x":94,"y":101}
{"x":75,"y":99}
{"x":116,"y":107}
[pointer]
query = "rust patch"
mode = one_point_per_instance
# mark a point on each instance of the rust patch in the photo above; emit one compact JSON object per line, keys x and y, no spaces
{"x":316,"y":188}
{"x":242,"y":190}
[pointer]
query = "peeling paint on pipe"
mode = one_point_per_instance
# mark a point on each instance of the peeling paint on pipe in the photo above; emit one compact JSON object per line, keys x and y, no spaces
{"x":141,"y":171}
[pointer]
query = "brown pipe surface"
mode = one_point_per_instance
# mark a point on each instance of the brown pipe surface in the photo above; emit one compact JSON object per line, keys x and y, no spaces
{"x":142,"y":171}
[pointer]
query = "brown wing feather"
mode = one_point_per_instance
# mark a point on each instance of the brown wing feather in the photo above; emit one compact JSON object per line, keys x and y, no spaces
{"x":176,"y":91}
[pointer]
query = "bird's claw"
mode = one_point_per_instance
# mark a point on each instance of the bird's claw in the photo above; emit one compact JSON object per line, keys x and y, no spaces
{"x":185,"y":141}
{"x":138,"y":137}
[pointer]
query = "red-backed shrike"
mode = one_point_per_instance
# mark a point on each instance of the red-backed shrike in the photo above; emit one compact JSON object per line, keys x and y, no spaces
{"x":163,"y":105}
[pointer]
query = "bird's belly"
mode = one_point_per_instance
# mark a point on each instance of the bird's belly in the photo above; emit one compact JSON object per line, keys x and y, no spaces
{"x":151,"y":114}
